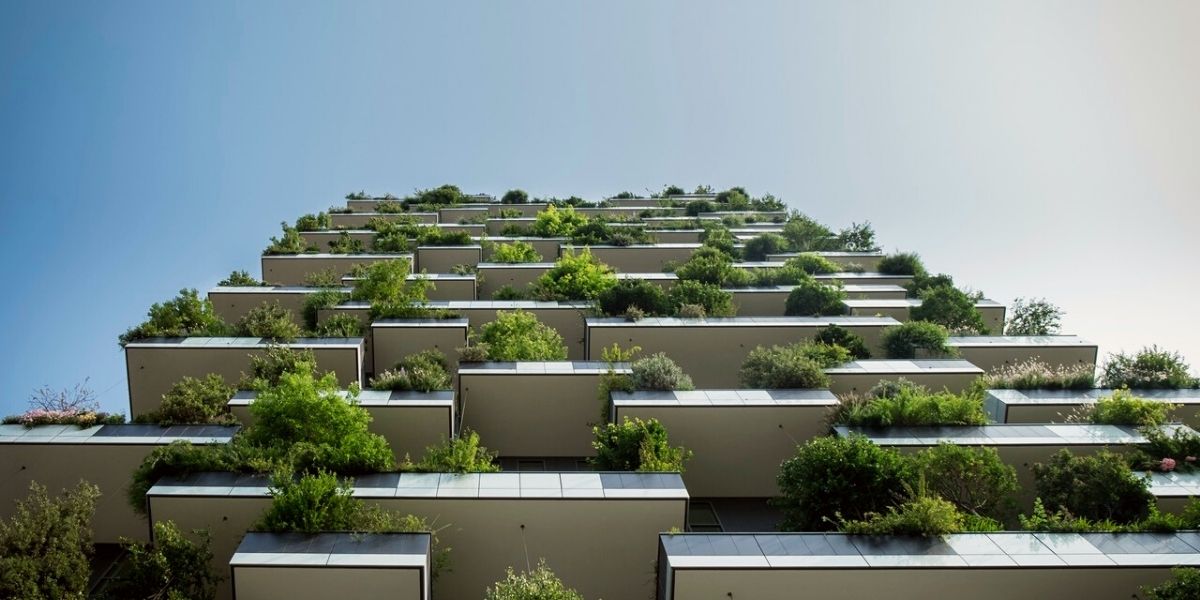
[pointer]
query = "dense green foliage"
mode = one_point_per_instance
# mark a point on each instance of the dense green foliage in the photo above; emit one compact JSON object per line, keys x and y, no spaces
{"x":636,"y":445}
{"x":975,"y":480}
{"x":45,"y":546}
{"x":949,"y":307}
{"x":836,"y":335}
{"x":1099,"y":487}
{"x":463,"y":454}
{"x":340,"y":325}
{"x":240,"y":279}
{"x":1034,"y":374}
{"x":838,"y":477}
{"x":1185,"y":586}
{"x":911,"y":406}
{"x":270,"y":321}
{"x":575,"y":276}
{"x":423,"y":372}
{"x":267,"y":368}
{"x":517,"y":196}
{"x":706,"y":265}
{"x":1033,"y":317}
{"x":515,"y":252}
{"x":519,"y":335}
{"x":310,"y":504}
{"x":813,"y":298}
{"x":290,"y":243}
{"x":311,"y":222}
{"x":1150,"y":367}
{"x":757,"y":249}
{"x":193,"y":401}
{"x":634,"y":292}
{"x":314,"y":302}
{"x":798,"y":366}
{"x":715,"y":301}
{"x":908,"y":339}
{"x":186,"y":315}
{"x":392,"y":294}
{"x":813,"y":264}
{"x":925,"y":515}
{"x":556,"y":222}
{"x":174,"y":568}
{"x":904,"y":263}
{"x":1123,"y":408}
{"x":658,"y":372}
{"x":538,"y":584}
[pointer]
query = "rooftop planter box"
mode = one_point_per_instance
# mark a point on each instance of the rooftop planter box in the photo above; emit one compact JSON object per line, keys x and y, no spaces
{"x":867,"y":260}
{"x":936,"y":374}
{"x":990,"y":352}
{"x":293,"y":269}
{"x":152,"y":366}
{"x":1018,"y":445}
{"x":371,"y":566}
{"x":490,"y":520}
{"x":358,"y":220}
{"x":58,"y":456}
{"x":443,"y":259}
{"x":738,"y":437}
{"x":1048,"y":406}
{"x":533,"y":409}
{"x":639,"y":258}
{"x":712,"y":350}
{"x":410,"y":421}
{"x":981,"y":566}
{"x":900,"y":309}
{"x":772,"y":301}
{"x":547,"y":247}
{"x":394,"y":339}
{"x":1173,"y":491}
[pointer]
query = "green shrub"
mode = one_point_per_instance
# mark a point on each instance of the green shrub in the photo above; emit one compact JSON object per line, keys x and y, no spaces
{"x":1167,"y":449}
{"x":904,"y":263}
{"x":439,"y":236}
{"x":344,"y":244}
{"x":636,"y":445}
{"x":192,"y":401}
{"x":185,"y":315}
{"x":785,"y":275}
{"x":515,"y":252}
{"x":658,"y":372}
{"x":423,"y":372}
{"x":974,"y":480}
{"x":913,"y":406}
{"x":715,"y":301}
{"x":341,"y":325}
{"x":311,"y":222}
{"x":391,"y":293}
{"x":734,"y":198}
{"x":290,"y":243}
{"x":647,"y":296}
{"x":463,"y":454}
{"x":518,"y":335}
{"x":514,"y":197}
{"x":508,"y":292}
{"x":926,"y":516}
{"x":181,"y":458}
{"x":310,"y":504}
{"x":555,"y":222}
{"x":240,"y":279}
{"x":576,"y":276}
{"x":813,"y":299}
{"x":718,"y":237}
{"x":857,"y":238}
{"x":1123,"y":408}
{"x":831,"y":478}
{"x":1185,"y":586}
{"x":836,"y":335}
{"x":270,"y":321}
{"x":696,"y":208}
{"x":46,"y":544}
{"x":1034,"y":374}
{"x":950,"y":307}
{"x":813,"y":264}
{"x":706,"y":265}
{"x":757,"y":248}
{"x":784,"y":367}
{"x":1098,"y":487}
{"x":539,"y":584}
{"x":806,"y":235}
{"x":174,"y":567}
{"x":325,"y":278}
{"x":305,"y":418}
{"x":1033,"y":317}
{"x":906,"y":339}
{"x":1151,"y":367}
{"x":267,"y":369}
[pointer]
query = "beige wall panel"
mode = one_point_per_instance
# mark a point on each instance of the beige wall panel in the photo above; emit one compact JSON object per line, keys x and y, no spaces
{"x":320,"y":583}
{"x":390,"y":344}
{"x":442,"y":259}
{"x":522,"y":415}
{"x":860,"y":383}
{"x":639,"y":259}
{"x":990,"y":358}
{"x":294,"y":269}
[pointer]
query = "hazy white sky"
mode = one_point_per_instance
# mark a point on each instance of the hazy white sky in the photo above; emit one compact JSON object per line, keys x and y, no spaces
{"x":1041,"y":148}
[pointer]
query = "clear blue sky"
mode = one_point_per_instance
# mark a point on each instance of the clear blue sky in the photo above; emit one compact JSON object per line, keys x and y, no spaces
{"x":1028,"y":148}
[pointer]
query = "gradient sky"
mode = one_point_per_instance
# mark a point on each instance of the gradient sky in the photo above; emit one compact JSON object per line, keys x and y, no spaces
{"x":1041,"y":148}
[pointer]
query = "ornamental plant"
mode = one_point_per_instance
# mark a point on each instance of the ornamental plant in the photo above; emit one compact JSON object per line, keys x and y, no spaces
{"x":835,"y":477}
{"x":270,"y":321}
{"x":973,"y":479}
{"x":636,"y":445}
{"x":948,"y":306}
{"x":518,"y":335}
{"x":1033,"y":317}
{"x":517,"y":196}
{"x":757,"y":249}
{"x":1184,"y":586}
{"x":913,"y":406}
{"x":806,"y":235}
{"x":713,"y":300}
{"x":423,"y":372}
{"x":311,"y":222}
{"x":836,"y":335}
{"x":658,"y":372}
{"x":515,"y":252}
{"x":1150,"y":367}
{"x":344,"y":244}
{"x":812,"y":264}
{"x":538,"y":584}
{"x":173,"y":567}
{"x":813,"y":298}
{"x":195,"y":401}
{"x":556,"y":222}
{"x":1123,"y":408}
{"x":341,"y":325}
{"x":1034,"y":374}
{"x":462,"y":454}
{"x":575,"y":276}
{"x":46,"y":544}
{"x":186,"y":315}
{"x":799,"y":366}
{"x":310,"y":503}
{"x":908,"y":339}
{"x":706,"y":265}
{"x":646,"y":296}
{"x":903,"y":263}
{"x":267,"y":368}
{"x":718,"y":237}
{"x":240,"y":279}
{"x":392,"y":294}
{"x":925,"y":516}
{"x":1099,"y":487}
{"x":290,"y":243}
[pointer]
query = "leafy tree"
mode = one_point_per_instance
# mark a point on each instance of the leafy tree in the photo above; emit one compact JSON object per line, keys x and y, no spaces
{"x":646,"y":296}
{"x":240,"y":279}
{"x":192,"y":401}
{"x":706,"y":265}
{"x":514,"y":197}
{"x":519,"y":335}
{"x":186,"y":315}
{"x":672,"y":190}
{"x":463,"y":454}
{"x":857,"y":238}
{"x":833,"y":477}
{"x":904,"y":263}
{"x":267,"y":369}
{"x":813,"y":298}
{"x":576,"y":276}
{"x":539,"y":584}
{"x":767,"y":243}
{"x":636,"y":445}
{"x":386,"y":286}
{"x":806,"y":235}
{"x":906,"y":339}
{"x":515,"y":252}
{"x":1151,"y":367}
{"x":442,"y":195}
{"x":290,"y":243}
{"x":1098,"y":487}
{"x":1033,"y":317}
{"x":269,"y":320}
{"x":45,"y":546}
{"x":174,"y":567}
{"x":974,"y":480}
{"x":555,"y":222}
{"x":311,"y":222}
{"x":950,"y":307}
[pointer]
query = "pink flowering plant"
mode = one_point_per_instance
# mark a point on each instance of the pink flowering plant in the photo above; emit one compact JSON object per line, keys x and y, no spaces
{"x":71,"y":406}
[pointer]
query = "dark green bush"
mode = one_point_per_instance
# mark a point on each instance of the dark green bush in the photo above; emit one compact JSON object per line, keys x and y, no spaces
{"x":1151,"y":367}
{"x":344,"y":244}
{"x":1185,"y":586}
{"x":813,"y":264}
{"x":290,"y":243}
{"x":913,"y":406}
{"x":46,"y":544}
{"x":950,"y":307}
{"x":715,"y":301}
{"x":925,"y":516}
{"x":186,"y":315}
{"x":658,"y":372}
{"x":1098,"y":487}
{"x":174,"y":567}
{"x":806,"y":235}
{"x":514,"y":197}
{"x":975,"y":480}
{"x":907,"y":339}
{"x":647,"y":296}
{"x":310,"y":504}
{"x":240,"y":279}
{"x":267,"y":369}
{"x":757,"y":249}
{"x":696,"y":208}
{"x":270,"y":321}
{"x":904,"y":263}
{"x":192,"y":401}
{"x":831,"y":478}
{"x":508,"y":292}
{"x":718,"y":237}
{"x":392,"y":294}
{"x":463,"y":454}
{"x":636,"y":445}
{"x":518,"y":335}
{"x":423,"y":372}
{"x":578,"y":276}
{"x":813,"y":298}
{"x":342,"y":325}
{"x":311,"y":222}
{"x":706,"y":265}
{"x":836,"y":335}
{"x":798,"y":366}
